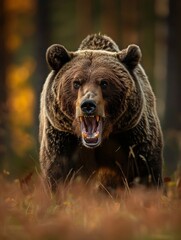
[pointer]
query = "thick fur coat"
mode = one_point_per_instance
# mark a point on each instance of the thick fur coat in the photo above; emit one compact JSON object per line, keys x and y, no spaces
{"x":98,"y":117}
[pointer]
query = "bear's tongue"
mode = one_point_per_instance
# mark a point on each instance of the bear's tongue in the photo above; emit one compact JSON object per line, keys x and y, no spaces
{"x":91,"y":128}
{"x":90,"y":125}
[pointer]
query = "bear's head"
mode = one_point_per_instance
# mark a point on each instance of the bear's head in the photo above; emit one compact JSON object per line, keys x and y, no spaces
{"x":93,"y":93}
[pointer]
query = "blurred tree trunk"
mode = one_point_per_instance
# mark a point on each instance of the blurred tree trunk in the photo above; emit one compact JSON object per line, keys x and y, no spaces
{"x":83,"y":19}
{"x":173,"y":95}
{"x":109,"y":16}
{"x":173,"y":101}
{"x":3,"y":88}
{"x":42,"y":40}
{"x":128,"y":24}
{"x":147,"y":36}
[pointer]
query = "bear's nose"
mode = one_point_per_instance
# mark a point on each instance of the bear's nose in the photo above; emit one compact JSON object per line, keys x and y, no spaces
{"x":88,"y":107}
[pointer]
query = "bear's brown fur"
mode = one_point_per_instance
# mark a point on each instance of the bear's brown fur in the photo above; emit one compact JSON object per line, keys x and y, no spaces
{"x":98,"y":117}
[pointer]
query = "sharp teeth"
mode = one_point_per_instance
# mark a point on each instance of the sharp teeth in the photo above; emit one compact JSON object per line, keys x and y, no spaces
{"x":96,"y":134}
{"x":81,"y":119}
{"x":84,"y":135}
{"x":97,"y":118}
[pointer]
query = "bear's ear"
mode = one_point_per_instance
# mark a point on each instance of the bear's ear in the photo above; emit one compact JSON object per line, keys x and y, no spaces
{"x":57,"y":56}
{"x":130,"y":56}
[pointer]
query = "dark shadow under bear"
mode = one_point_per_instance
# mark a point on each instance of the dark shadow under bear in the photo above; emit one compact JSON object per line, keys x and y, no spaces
{"x":98,"y":117}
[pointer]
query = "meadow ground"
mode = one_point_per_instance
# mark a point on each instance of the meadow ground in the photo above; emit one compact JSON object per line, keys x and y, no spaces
{"x":29,"y":211}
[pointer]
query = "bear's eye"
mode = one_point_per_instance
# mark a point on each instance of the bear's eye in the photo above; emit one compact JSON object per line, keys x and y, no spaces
{"x":103,"y":84}
{"x":76,"y":84}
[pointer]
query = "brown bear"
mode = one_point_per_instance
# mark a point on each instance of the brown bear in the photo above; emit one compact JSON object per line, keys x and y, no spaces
{"x":98,"y":117}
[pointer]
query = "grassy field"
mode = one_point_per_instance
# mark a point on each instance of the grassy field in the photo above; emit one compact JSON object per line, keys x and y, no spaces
{"x":29,"y":211}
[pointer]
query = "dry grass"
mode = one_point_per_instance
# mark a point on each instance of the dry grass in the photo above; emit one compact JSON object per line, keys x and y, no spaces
{"x":29,"y":211}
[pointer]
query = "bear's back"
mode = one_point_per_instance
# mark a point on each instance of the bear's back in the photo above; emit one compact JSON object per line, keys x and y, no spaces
{"x":99,"y":42}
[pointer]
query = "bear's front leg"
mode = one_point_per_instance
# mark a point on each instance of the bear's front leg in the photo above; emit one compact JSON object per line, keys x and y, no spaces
{"x":56,"y":156}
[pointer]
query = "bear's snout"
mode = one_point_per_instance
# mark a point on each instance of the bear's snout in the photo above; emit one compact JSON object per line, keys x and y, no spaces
{"x":88,"y":107}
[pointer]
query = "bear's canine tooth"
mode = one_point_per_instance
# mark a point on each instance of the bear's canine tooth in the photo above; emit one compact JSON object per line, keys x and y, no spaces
{"x":81,"y":119}
{"x":96,"y":134}
{"x":97,"y":118}
{"x":84,"y":135}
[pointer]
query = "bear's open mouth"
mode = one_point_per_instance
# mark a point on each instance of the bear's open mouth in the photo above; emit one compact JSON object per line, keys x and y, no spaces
{"x":91,"y":130}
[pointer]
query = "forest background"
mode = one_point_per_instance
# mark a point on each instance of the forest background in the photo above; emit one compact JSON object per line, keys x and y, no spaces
{"x":28,"y":28}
